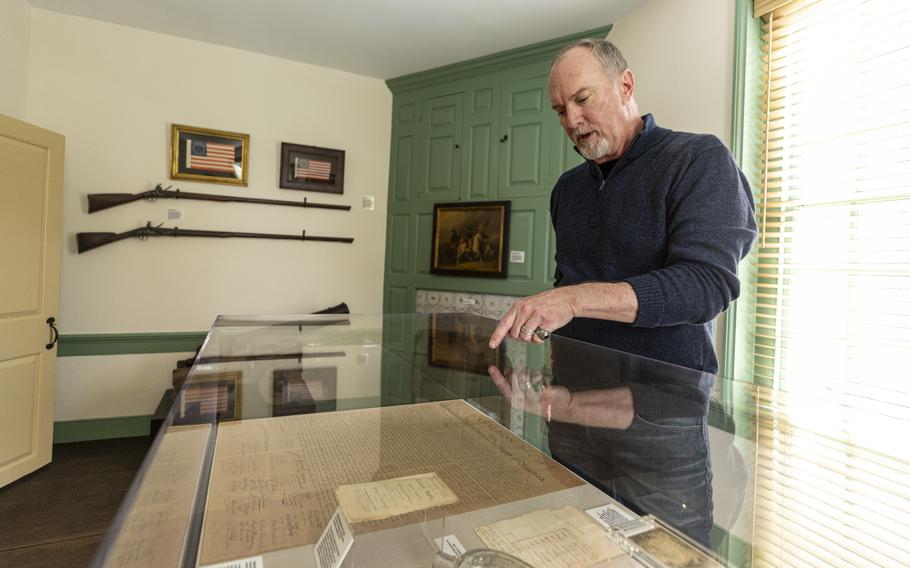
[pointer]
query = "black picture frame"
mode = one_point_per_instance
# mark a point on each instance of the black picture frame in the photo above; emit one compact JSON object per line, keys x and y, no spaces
{"x":471,"y":239}
{"x":311,"y":168}
{"x":299,"y":390}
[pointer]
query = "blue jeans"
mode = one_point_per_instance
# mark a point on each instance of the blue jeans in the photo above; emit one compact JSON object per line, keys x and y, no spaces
{"x":660,"y":466}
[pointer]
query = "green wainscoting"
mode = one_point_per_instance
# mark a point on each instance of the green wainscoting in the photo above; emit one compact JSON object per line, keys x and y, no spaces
{"x":74,"y":345}
{"x":475,"y":131}
{"x":101,"y":429}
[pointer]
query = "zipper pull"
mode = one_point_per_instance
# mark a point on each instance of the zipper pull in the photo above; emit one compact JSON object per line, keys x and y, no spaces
{"x":602,"y":183}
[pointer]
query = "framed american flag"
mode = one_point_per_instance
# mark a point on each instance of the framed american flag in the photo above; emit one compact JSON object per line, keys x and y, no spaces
{"x":215,"y":156}
{"x":208,"y":397}
{"x":311,"y":168}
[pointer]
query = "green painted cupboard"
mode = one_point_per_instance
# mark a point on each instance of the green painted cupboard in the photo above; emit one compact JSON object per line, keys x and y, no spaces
{"x":475,"y":131}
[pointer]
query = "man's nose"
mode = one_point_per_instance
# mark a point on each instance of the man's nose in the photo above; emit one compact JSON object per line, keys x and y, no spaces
{"x":573,"y":117}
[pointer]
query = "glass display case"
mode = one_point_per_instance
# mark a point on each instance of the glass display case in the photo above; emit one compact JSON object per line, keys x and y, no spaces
{"x":404,"y":440}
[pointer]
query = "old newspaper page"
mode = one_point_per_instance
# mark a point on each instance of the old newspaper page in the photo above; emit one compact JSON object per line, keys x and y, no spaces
{"x":273,"y":480}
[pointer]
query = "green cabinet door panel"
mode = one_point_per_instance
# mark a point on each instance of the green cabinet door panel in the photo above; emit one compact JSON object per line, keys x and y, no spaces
{"x":529,"y":127}
{"x":522,"y":239}
{"x":441,"y":160}
{"x":481,"y":124}
{"x":423,"y":236}
{"x":400,"y":299}
{"x":403,"y":171}
{"x":400,"y":234}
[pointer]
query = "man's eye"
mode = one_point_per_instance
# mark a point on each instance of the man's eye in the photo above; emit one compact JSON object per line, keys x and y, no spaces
{"x":582,"y":99}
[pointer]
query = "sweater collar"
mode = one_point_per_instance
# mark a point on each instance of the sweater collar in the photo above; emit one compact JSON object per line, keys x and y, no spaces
{"x":638,"y":146}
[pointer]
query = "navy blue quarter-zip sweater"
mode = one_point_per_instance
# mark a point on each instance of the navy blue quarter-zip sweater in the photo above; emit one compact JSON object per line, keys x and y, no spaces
{"x":673,"y":218}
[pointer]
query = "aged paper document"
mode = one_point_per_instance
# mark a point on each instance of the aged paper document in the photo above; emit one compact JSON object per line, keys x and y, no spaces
{"x":154,"y":530}
{"x":379,"y":500}
{"x":564,"y":538}
{"x":273,"y":480}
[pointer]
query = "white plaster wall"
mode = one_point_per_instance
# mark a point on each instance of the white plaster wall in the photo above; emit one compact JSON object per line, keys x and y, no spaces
{"x":114,"y":91}
{"x":14,"y":34}
{"x":681,"y":52}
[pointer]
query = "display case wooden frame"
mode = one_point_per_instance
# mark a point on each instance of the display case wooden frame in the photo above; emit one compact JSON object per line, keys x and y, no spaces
{"x":471,"y":239}
{"x":311,"y":168}
{"x":203,"y":154}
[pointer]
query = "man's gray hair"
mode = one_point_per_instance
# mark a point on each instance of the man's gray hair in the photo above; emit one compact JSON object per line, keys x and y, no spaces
{"x":604,"y":50}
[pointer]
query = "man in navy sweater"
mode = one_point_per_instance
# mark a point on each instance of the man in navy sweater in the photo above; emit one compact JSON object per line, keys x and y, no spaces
{"x":649,"y":230}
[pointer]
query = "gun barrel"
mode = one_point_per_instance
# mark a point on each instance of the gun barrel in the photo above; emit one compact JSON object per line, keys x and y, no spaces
{"x":101,"y":201}
{"x":89,"y":241}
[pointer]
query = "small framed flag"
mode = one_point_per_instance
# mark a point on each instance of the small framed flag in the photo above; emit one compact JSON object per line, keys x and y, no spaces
{"x":311,"y":168}
{"x":209,"y":155}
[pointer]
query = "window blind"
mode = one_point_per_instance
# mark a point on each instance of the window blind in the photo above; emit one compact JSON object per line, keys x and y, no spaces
{"x":832,"y":286}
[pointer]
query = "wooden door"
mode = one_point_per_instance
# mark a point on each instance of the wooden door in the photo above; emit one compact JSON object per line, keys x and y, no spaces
{"x":31,"y":188}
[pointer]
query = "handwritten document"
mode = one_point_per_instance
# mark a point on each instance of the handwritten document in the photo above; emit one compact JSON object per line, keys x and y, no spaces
{"x":383,"y":499}
{"x":564,"y":538}
{"x":273,"y":480}
{"x":154,"y":530}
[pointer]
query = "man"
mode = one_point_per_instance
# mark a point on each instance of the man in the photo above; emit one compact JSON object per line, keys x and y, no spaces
{"x":649,"y":230}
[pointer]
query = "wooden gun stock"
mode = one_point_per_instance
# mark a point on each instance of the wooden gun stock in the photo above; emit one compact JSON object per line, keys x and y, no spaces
{"x":89,"y":241}
{"x":102,"y":201}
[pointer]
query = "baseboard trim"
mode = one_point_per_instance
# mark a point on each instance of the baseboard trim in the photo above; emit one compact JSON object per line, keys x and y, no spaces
{"x":74,"y":345}
{"x":101,"y":429}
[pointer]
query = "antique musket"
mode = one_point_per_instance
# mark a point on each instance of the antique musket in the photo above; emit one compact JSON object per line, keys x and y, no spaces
{"x":101,"y":201}
{"x":89,"y":241}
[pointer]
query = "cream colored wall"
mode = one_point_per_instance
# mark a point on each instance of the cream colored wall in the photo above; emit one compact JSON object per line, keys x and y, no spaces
{"x":14,"y":32}
{"x":114,"y":91}
{"x":681,"y":52}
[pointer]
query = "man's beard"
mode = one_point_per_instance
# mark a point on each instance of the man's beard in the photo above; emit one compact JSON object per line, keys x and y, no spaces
{"x":593,"y":150}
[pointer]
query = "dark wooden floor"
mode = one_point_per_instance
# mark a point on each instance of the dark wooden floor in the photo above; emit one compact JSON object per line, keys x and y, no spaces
{"x":58,"y":515}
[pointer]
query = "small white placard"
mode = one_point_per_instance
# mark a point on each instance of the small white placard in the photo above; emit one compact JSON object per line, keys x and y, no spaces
{"x":614,"y":516}
{"x":335,"y":542}
{"x":450,"y":545}
{"x":517,"y":256}
{"x":174,"y":214}
{"x":369,"y":202}
{"x":251,"y":562}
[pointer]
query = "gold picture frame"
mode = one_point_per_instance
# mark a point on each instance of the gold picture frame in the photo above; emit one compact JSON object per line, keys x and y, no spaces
{"x":471,"y":239}
{"x":204,"y":154}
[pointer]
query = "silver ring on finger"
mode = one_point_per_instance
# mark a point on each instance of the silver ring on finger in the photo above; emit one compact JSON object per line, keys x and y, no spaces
{"x":543,"y":334}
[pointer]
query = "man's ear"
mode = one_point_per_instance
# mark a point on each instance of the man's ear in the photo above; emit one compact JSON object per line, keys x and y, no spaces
{"x":626,"y":85}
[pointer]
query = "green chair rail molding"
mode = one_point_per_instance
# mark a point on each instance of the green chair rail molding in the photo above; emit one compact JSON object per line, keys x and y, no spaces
{"x":74,"y":345}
